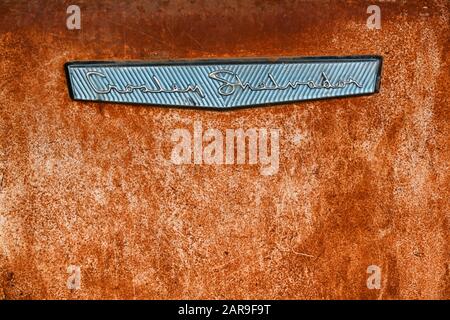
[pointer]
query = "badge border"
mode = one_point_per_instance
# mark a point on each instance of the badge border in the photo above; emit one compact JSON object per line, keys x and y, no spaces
{"x":246,"y":60}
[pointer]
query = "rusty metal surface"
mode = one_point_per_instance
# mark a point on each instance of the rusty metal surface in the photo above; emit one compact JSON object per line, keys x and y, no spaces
{"x":361,"y":181}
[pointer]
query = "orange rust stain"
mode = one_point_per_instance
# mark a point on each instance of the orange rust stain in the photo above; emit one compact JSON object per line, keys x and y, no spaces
{"x":92,"y":184}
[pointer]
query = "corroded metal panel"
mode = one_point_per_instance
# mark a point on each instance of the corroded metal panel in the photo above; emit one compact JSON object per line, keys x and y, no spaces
{"x":132,"y":198}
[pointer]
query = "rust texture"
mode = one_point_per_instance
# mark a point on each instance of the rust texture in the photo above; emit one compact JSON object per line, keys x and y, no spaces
{"x":361,"y":181}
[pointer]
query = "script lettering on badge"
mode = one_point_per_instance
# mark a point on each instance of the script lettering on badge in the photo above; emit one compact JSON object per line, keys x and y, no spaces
{"x":228,"y":85}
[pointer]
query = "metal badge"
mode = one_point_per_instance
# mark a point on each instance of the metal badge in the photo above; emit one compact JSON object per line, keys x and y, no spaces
{"x":224,"y":83}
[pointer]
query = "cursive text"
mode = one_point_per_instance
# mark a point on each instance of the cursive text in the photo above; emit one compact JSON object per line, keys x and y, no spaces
{"x":129,"y":88}
{"x":228,"y":87}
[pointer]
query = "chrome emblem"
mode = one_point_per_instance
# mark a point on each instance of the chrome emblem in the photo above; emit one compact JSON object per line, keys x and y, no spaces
{"x":224,"y":83}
